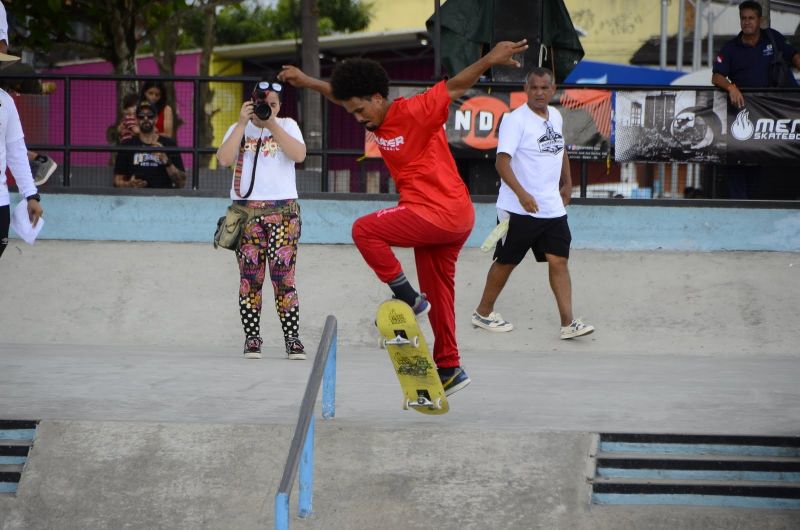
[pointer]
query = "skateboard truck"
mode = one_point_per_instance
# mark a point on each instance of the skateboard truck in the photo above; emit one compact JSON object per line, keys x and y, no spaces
{"x":400,"y":339}
{"x":423,"y":400}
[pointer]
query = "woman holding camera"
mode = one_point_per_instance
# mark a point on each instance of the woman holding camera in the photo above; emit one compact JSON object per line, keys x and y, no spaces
{"x":263,"y":149}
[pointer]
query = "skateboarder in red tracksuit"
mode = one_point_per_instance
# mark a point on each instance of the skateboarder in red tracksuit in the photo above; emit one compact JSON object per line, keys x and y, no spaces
{"x":435,"y":213}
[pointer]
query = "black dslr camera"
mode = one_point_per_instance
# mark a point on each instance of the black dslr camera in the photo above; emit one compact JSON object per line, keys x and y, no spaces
{"x":261,"y":108}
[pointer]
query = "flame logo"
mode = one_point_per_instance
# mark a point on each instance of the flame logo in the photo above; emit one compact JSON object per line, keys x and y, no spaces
{"x":742,"y":128}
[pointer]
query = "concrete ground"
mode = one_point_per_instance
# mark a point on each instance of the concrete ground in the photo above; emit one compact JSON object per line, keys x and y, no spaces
{"x":130,"y":353}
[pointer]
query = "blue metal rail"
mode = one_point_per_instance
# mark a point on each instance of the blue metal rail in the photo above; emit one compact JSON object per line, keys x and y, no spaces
{"x":301,"y":451}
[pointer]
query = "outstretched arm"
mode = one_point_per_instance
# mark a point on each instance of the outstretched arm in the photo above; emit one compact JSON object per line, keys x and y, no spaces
{"x":501,"y":54}
{"x":299,"y":79}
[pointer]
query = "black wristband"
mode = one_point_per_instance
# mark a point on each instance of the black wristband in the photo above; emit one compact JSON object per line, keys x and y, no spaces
{"x":35,"y":197}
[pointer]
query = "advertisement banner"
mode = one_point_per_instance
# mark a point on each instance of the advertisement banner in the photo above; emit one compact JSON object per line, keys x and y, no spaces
{"x":474,"y":120}
{"x":669,"y":125}
{"x":766,"y":131}
{"x":701,"y":126}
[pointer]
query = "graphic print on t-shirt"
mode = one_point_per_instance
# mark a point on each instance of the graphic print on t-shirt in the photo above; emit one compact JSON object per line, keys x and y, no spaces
{"x":551,"y":141}
{"x":146,"y":160}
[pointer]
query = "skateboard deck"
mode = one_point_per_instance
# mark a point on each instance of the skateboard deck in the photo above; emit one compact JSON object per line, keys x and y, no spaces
{"x":413,"y":364}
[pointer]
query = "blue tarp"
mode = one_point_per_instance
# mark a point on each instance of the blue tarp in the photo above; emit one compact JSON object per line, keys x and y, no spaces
{"x":591,"y":72}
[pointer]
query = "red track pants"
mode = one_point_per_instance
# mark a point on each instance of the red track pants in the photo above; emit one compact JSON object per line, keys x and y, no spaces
{"x":435,"y":253}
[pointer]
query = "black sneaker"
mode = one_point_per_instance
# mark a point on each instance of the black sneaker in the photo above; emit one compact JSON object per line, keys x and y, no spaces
{"x":252,"y":348}
{"x":295,"y":350}
{"x":453,"y":379}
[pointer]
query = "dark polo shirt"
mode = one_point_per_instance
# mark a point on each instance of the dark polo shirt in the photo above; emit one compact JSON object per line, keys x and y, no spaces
{"x":748,"y":66}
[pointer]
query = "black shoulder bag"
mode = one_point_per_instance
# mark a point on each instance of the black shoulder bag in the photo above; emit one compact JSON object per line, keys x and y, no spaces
{"x":229,"y":227}
{"x":780,"y":74}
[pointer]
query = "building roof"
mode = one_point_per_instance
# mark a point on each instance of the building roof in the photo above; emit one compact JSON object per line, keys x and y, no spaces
{"x":344,"y":44}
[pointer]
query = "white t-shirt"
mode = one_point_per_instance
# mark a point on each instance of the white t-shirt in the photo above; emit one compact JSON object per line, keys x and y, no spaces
{"x":275,"y":173}
{"x":4,"y":24}
{"x":13,"y":152}
{"x":536,"y":147}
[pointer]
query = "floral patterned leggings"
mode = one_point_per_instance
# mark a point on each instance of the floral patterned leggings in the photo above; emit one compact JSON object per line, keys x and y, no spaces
{"x":269,"y":240}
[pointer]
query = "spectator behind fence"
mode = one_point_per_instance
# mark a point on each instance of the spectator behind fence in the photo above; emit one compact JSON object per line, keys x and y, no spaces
{"x":42,"y":166}
{"x":155,"y":92}
{"x":746,"y":62}
{"x":149,"y":169}
{"x":128,"y":126}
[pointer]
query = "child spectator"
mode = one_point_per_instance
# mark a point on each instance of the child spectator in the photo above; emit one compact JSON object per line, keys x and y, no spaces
{"x":128,"y":127}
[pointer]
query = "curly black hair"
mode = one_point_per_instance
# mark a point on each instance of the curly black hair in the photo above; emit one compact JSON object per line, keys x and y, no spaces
{"x":359,"y":78}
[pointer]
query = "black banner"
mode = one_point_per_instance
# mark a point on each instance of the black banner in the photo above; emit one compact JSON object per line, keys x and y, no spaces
{"x":701,"y":126}
{"x":766,"y":131}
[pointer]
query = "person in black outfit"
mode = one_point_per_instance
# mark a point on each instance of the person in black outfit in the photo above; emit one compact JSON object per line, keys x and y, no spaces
{"x":148,"y":169}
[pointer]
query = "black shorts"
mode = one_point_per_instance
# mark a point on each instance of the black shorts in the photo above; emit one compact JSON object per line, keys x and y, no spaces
{"x":542,"y":236}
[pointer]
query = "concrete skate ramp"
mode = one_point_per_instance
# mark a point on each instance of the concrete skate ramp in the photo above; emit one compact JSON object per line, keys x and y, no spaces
{"x":185,"y":295}
{"x":182,"y":476}
{"x":130,"y":354}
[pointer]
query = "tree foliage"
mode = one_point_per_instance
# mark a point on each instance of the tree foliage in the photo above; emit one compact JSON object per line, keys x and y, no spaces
{"x":118,"y":29}
{"x":239,"y":24}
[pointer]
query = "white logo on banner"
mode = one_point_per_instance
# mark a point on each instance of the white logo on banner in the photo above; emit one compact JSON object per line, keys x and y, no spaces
{"x":742,"y":128}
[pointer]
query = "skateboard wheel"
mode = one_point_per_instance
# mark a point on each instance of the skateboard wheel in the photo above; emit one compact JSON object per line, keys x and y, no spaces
{"x":415,"y":341}
{"x":405,"y":404}
{"x":438,"y":404}
{"x":382,"y":343}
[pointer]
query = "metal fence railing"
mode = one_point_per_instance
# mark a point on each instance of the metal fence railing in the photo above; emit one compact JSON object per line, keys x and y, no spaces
{"x":301,"y":450}
{"x":72,"y":118}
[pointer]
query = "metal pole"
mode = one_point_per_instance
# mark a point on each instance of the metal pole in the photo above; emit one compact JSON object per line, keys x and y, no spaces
{"x":198,"y":118}
{"x":681,"y":24}
{"x":697,"y":38}
{"x":584,"y":178}
{"x":307,"y":472}
{"x":282,"y":511}
{"x":710,"y":50}
{"x":437,"y":40}
{"x":329,"y":384}
{"x":662,"y":61}
{"x":66,"y":170}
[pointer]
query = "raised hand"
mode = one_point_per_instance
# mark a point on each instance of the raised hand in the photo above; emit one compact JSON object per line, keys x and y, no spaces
{"x":294,"y":76}
{"x":503,"y":52}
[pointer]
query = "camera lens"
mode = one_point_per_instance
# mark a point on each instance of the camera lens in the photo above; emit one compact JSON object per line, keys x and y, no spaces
{"x":262,"y":110}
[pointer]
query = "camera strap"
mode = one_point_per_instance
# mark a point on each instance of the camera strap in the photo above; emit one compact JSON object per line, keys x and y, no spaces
{"x":237,"y":172}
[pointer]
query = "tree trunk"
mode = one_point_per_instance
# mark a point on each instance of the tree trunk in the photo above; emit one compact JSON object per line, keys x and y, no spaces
{"x":122,"y":34}
{"x":206,"y":132}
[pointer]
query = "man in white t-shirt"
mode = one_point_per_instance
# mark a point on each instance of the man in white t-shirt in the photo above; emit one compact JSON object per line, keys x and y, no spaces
{"x":13,"y":156}
{"x":536,"y":186}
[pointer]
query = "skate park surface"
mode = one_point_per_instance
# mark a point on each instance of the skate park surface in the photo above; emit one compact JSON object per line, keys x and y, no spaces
{"x":130,"y":355}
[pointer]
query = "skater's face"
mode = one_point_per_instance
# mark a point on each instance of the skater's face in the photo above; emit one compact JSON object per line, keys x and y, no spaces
{"x":540,"y":90}
{"x":369,"y":112}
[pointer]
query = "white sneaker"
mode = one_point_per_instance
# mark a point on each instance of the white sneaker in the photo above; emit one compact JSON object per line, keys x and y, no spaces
{"x":576,"y":329}
{"x":494,"y":322}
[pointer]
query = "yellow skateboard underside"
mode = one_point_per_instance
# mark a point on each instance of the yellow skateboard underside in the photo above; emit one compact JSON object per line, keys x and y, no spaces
{"x":413,"y":364}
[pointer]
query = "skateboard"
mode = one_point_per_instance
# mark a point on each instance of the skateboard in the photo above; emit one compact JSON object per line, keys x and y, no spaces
{"x":413,"y":364}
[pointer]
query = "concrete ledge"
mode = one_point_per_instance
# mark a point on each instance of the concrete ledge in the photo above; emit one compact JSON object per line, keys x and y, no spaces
{"x":597,"y":227}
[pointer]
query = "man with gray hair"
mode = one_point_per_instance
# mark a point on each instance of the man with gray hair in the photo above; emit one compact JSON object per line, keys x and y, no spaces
{"x":535,"y":187}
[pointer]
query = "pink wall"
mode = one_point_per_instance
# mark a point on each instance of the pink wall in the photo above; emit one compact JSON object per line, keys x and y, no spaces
{"x":94,"y":107}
